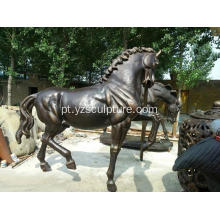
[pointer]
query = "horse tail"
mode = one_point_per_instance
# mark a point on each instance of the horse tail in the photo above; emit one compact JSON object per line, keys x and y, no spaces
{"x":26,"y":118}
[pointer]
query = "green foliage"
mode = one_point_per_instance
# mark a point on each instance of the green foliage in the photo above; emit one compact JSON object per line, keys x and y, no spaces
{"x":196,"y":66}
{"x":67,"y":55}
{"x":11,"y":72}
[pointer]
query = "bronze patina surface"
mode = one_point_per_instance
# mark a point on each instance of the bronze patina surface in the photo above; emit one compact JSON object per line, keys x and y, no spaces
{"x":120,"y":88}
{"x":158,"y":92}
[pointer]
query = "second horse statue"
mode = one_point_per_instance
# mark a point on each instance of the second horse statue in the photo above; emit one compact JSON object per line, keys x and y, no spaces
{"x":120,"y":89}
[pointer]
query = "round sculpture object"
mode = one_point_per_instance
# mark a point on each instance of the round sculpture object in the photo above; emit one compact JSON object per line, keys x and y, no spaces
{"x":191,"y":132}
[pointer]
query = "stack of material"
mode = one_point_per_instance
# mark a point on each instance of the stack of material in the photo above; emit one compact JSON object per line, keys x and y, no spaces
{"x":204,"y":157}
{"x":5,"y":153}
{"x":9,"y":122}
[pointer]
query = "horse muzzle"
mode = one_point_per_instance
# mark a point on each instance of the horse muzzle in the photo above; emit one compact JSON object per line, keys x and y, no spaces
{"x":171,"y":120}
{"x":149,"y":78}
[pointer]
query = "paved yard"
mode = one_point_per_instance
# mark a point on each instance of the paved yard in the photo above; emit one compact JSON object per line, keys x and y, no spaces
{"x":92,"y":159}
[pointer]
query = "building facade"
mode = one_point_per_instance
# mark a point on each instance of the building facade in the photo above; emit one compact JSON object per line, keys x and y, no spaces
{"x":21,"y":88}
{"x":201,"y":97}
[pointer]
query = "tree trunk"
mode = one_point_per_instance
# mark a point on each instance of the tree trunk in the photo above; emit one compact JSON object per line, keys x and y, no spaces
{"x":125,"y":38}
{"x":10,"y":79}
{"x":90,"y":77}
{"x":174,"y":130}
{"x":12,"y":67}
{"x":173,"y":77}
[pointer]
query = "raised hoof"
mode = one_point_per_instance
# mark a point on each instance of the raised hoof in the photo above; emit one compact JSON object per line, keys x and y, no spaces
{"x":71,"y":165}
{"x":45,"y":167}
{"x":111,"y":187}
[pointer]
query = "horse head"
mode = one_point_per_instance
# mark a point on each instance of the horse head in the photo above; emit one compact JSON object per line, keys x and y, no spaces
{"x":174,"y":108}
{"x":150,"y":61}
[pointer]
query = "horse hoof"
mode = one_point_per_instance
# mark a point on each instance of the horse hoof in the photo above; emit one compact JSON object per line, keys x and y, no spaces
{"x":71,"y":165}
{"x":45,"y":167}
{"x":111,"y":187}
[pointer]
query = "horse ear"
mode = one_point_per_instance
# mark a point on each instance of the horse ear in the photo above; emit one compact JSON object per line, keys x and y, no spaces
{"x":149,"y":61}
{"x":158,"y":53}
{"x":174,"y":93}
{"x":169,"y":87}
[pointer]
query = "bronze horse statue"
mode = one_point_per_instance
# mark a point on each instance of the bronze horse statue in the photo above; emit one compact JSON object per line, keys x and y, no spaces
{"x":120,"y":90}
{"x":165,"y":93}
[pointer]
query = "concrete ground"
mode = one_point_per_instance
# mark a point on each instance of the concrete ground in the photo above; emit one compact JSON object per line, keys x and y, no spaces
{"x":154,"y":174}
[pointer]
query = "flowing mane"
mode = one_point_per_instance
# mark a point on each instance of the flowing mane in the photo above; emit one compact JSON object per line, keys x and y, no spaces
{"x":168,"y":87}
{"x":123,"y":57}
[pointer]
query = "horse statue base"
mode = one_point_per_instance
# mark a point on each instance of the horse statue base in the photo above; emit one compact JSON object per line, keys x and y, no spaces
{"x":133,"y":142}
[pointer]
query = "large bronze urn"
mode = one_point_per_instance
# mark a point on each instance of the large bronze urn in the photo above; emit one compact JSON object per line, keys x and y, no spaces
{"x":192,"y":131}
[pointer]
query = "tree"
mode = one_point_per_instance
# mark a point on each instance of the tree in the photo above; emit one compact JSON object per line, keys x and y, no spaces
{"x":172,"y":41}
{"x":195,"y":66}
{"x":56,"y":45}
{"x":69,"y":53}
{"x":192,"y":67}
{"x":9,"y":49}
{"x":66,"y":55}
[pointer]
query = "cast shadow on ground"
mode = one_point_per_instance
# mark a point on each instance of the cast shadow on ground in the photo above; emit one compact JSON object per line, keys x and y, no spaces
{"x":141,"y":181}
{"x":101,"y":159}
{"x":171,"y":182}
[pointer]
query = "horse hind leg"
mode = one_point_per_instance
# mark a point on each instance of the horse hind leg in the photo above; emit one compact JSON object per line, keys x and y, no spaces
{"x":70,"y":163}
{"x":41,"y":157}
{"x":47,"y":138}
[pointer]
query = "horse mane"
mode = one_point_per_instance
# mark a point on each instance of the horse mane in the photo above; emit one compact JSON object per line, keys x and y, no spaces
{"x":160,"y":84}
{"x":168,"y":87}
{"x":123,"y":57}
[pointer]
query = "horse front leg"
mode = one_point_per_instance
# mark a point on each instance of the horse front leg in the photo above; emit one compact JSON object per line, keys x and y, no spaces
{"x":164,"y":129}
{"x":154,"y":130}
{"x":152,"y":136}
{"x":119,"y":132}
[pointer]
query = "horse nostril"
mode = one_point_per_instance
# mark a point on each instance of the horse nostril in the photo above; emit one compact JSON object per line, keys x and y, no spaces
{"x":149,"y":83}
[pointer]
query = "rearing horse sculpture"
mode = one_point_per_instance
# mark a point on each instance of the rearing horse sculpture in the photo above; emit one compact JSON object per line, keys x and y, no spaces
{"x":120,"y":89}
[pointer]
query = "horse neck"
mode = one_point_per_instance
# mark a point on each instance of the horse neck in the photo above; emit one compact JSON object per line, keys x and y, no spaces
{"x":129,"y":74}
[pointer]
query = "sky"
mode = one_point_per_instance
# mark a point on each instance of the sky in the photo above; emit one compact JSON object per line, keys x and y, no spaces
{"x":215,"y":73}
